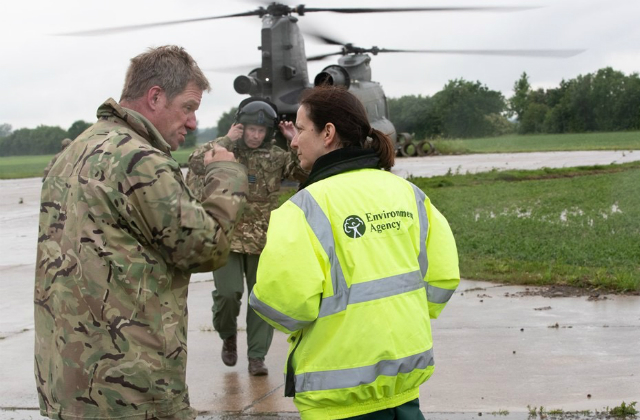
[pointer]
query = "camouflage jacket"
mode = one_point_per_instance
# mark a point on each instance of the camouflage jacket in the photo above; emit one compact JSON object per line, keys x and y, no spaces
{"x":268,"y":165}
{"x":47,"y":168}
{"x":119,"y":234}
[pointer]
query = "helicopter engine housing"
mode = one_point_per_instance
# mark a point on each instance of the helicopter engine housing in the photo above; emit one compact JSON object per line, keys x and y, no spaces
{"x":247,"y":85}
{"x":333,"y":75}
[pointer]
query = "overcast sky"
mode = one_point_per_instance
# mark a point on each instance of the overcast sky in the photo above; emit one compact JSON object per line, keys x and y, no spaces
{"x":56,"y":80}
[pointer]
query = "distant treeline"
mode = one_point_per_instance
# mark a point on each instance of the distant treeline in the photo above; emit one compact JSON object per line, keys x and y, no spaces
{"x":43,"y":140}
{"x":607,"y":100}
{"x":46,"y":140}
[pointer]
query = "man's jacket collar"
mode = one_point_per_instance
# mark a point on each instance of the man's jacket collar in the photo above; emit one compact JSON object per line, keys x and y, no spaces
{"x":136,"y":121}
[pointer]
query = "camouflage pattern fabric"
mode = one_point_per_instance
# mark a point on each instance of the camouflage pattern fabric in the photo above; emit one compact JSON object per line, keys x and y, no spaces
{"x":119,"y":235}
{"x":268,"y":165}
{"x":46,"y":170}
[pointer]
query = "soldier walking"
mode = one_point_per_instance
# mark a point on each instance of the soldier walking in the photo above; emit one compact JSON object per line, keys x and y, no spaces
{"x":249,"y":138}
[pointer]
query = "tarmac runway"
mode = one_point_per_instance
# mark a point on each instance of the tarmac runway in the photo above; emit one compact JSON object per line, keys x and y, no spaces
{"x":441,"y":165}
{"x":498,"y":348}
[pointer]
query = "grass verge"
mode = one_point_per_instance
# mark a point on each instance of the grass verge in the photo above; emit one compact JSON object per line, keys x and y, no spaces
{"x":13,"y":167}
{"x":23,"y":166}
{"x":622,"y":140}
{"x":569,"y":226}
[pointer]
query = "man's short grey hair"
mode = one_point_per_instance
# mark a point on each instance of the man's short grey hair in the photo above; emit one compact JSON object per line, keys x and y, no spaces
{"x":169,"y":67}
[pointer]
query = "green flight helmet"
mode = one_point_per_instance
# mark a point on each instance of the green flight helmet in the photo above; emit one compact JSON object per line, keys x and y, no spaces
{"x":258,"y":112}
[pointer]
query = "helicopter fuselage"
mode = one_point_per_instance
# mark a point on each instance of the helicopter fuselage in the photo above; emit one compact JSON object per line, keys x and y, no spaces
{"x":284,"y":75}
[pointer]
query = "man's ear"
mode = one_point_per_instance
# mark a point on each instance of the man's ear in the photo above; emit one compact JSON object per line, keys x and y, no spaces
{"x":155,"y":97}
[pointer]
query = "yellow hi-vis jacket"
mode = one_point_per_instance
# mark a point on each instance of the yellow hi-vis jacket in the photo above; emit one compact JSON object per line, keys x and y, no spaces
{"x":354,"y":268}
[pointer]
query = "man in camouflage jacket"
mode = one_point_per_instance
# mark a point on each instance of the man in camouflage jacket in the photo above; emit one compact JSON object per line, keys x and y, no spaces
{"x":119,"y":235}
{"x":268,"y":164}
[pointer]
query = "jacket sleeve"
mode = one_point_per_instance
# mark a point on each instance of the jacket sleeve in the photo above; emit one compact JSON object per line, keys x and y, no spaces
{"x":292,"y":170}
{"x":196,"y":173}
{"x":189,"y":235}
{"x":291,"y":272}
{"x":443,"y":274}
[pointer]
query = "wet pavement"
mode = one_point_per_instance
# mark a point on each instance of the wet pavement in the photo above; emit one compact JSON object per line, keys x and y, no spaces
{"x":497,"y":348}
{"x":441,"y":165}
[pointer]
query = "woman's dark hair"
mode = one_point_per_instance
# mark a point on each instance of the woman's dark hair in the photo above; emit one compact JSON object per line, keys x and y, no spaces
{"x":333,"y":104}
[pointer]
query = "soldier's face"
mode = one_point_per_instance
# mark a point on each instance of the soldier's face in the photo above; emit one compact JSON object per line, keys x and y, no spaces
{"x":254,"y":135}
{"x":175,"y":118}
{"x":308,"y":142}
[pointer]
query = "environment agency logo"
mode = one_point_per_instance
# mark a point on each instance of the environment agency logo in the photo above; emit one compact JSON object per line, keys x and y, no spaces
{"x":354,"y":227}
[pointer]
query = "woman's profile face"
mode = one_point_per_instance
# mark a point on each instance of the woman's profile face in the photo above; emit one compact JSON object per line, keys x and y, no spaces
{"x":308,"y":142}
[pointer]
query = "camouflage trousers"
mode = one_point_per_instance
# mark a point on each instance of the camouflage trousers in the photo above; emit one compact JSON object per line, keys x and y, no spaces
{"x":227,"y":298}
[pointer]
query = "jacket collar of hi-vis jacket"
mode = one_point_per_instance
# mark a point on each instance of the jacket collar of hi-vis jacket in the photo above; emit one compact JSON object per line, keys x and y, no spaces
{"x":339,"y":161}
{"x":137,"y":122}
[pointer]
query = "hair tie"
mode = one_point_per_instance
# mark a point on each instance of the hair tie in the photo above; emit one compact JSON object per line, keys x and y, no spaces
{"x":370,"y":131}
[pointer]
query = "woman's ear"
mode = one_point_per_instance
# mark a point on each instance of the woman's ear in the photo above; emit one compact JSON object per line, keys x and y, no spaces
{"x":330,"y":137}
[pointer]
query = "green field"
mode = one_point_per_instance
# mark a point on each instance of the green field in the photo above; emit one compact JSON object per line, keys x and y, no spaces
{"x":576,"y":227}
{"x":542,"y":143}
{"x":32,"y":166}
{"x":23,"y":166}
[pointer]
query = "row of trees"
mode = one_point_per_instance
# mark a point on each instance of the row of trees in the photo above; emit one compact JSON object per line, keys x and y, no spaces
{"x":607,"y":100}
{"x":45,"y":140}
{"x":462,"y":109}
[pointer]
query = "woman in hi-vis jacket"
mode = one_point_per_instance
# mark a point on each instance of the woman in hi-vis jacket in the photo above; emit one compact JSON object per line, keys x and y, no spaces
{"x":356,"y":264}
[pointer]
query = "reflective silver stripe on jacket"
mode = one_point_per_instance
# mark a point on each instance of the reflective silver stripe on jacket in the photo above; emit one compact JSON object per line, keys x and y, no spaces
{"x":438,"y":294}
{"x":321,"y":227}
{"x":286,"y":321}
{"x":347,"y":378}
{"x":371,"y":290}
{"x":434,"y":294}
{"x":424,"y":229}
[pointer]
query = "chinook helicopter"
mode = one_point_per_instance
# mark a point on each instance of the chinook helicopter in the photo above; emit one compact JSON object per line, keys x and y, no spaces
{"x":283,"y":73}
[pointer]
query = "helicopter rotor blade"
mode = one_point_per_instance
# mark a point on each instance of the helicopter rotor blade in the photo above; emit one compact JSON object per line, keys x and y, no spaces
{"x":107,"y":31}
{"x":542,"y":53}
{"x":324,"y":39}
{"x":323,"y":56}
{"x":242,"y":68}
{"x":302,"y":9}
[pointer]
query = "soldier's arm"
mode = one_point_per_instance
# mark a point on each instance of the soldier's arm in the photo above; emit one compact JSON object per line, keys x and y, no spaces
{"x":189,"y":235}
{"x":196,"y":167}
{"x":292,"y":170}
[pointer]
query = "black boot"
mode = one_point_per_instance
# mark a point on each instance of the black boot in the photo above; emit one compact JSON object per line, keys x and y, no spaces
{"x":230,"y":350}
{"x":257,"y":367}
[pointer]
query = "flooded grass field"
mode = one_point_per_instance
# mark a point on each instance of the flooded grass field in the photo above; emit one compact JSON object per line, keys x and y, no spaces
{"x":565,"y":226}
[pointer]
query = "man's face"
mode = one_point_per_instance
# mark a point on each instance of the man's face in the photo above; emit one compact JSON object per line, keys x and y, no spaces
{"x":254,"y":135}
{"x":174,"y":118}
